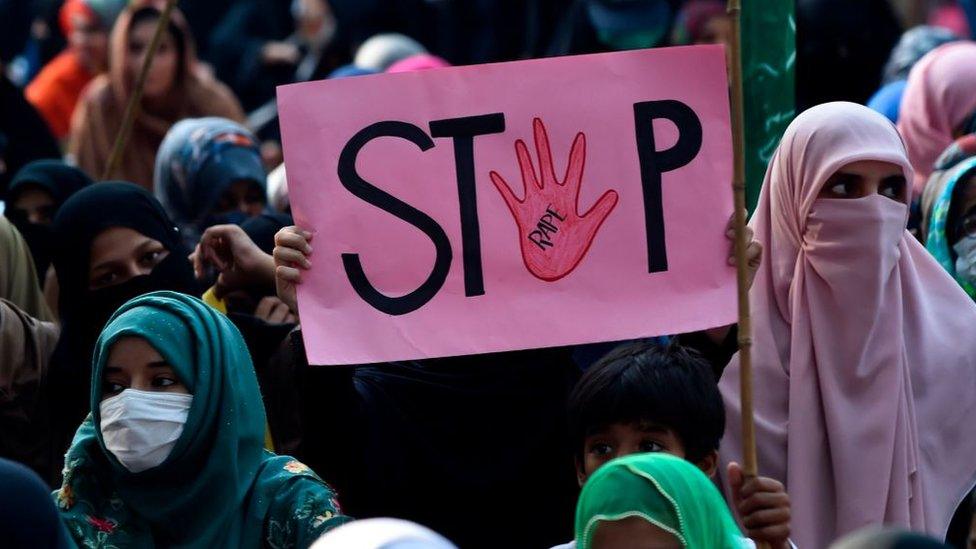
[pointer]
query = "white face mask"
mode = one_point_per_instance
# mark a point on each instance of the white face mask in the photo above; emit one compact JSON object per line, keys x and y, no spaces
{"x":966,"y":259}
{"x":140,"y":428}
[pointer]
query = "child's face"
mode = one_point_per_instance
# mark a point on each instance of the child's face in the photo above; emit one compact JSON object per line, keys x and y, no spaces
{"x":633,"y":533}
{"x":623,"y":439}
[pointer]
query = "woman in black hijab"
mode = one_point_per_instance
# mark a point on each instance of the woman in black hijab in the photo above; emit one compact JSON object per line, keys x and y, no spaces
{"x":35,"y":194}
{"x":113,"y":242}
{"x":28,"y":517}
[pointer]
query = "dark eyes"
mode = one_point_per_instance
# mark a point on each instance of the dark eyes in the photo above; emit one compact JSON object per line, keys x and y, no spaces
{"x":110,"y":388}
{"x":603,"y":449}
{"x":967,"y":225}
{"x":105,"y":280}
{"x":163,"y":382}
{"x":844,"y":185}
{"x":229,"y":202}
{"x":151,"y":258}
{"x":893,"y":187}
{"x":651,"y":446}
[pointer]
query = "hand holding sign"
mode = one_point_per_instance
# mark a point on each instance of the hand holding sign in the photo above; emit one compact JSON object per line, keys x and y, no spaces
{"x":553,"y":236}
{"x":291,"y":253}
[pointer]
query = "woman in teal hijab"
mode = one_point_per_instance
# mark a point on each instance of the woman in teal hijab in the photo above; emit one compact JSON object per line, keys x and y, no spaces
{"x":949,"y":212}
{"x":172,"y":452}
{"x":653,"y":500}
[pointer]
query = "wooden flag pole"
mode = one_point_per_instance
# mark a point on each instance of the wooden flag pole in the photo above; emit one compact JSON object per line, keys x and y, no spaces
{"x":749,"y":465}
{"x":132,"y":107}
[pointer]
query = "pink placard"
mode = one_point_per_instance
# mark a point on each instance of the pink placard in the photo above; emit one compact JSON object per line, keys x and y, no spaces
{"x":514,"y":205}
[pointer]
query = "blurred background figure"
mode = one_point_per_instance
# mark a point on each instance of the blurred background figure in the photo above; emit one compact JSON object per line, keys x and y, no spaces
{"x":951,"y":14}
{"x":383,"y":50}
{"x":18,"y":279}
{"x":261,"y":44}
{"x":27,"y":339}
{"x":419,"y":62}
{"x":35,"y":195}
{"x":24,"y":136}
{"x":382,"y":533}
{"x":841,"y":48}
{"x":55,"y":91}
{"x":937,"y":105}
{"x":209,"y":172}
{"x":278,"y":190}
{"x":350,"y":70}
{"x":175,"y":89}
{"x":702,"y":22}
{"x":949,"y":212}
{"x":591,"y":26}
{"x":911,"y":47}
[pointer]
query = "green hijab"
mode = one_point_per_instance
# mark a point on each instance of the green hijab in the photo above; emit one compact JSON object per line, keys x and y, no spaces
{"x":218,"y":487}
{"x":664,"y":490}
{"x":937,"y":242}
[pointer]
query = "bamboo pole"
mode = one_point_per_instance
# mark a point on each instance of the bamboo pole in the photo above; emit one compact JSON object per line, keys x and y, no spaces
{"x":132,"y":107}
{"x":749,"y":465}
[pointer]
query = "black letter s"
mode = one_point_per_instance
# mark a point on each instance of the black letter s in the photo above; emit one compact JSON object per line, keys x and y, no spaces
{"x":361,"y":188}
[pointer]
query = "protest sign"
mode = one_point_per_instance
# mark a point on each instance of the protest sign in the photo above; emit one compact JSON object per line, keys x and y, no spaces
{"x":513,"y":205}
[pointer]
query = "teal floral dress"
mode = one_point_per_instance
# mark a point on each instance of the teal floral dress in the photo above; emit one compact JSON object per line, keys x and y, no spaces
{"x":218,"y":487}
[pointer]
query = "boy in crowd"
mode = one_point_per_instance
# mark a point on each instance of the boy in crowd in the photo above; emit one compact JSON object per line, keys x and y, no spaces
{"x":644,"y":397}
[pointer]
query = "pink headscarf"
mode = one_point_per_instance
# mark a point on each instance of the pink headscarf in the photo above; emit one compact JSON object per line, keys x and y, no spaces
{"x":951,"y":17}
{"x":419,"y":62}
{"x":864,"y":355}
{"x":940,"y":94}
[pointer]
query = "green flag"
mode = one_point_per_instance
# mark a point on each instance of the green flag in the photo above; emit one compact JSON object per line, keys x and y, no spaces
{"x":768,"y":69}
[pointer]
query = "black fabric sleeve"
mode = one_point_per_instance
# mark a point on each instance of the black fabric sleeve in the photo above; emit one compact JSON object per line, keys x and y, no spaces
{"x":236,"y":48}
{"x":717,"y":354}
{"x":314,"y":412}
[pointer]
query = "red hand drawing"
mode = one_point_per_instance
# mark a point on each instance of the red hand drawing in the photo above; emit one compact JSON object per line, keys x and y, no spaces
{"x":554,"y":238}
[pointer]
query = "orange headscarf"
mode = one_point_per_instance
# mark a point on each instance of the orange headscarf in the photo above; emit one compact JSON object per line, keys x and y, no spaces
{"x":55,"y":91}
{"x":98,"y":118}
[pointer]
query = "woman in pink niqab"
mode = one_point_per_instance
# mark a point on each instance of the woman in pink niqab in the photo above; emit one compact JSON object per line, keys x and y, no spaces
{"x":864,"y":359}
{"x":939,"y":99}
